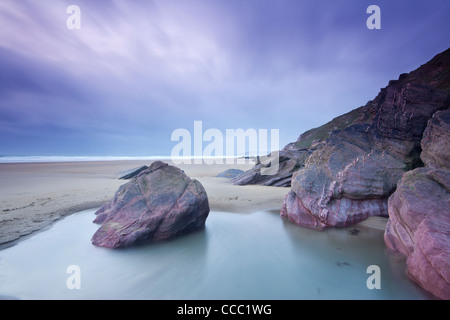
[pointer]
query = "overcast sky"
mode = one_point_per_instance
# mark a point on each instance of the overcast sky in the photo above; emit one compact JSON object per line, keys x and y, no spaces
{"x":138,"y":70}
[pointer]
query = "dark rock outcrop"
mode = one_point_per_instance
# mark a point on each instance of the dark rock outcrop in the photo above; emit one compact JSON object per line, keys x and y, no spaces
{"x":436,"y":141}
{"x":352,"y":173}
{"x":131,"y":173}
{"x":345,"y":171}
{"x":230,"y":173}
{"x":357,"y":160}
{"x":289,"y":161}
{"x":160,"y":203}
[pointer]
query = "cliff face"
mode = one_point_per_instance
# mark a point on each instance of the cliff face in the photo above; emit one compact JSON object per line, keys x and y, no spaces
{"x":419,"y":214}
{"x":417,"y":94}
{"x":358,"y":158}
{"x":345,"y":170}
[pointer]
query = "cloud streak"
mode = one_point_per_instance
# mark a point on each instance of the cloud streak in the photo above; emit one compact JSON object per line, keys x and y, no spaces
{"x":138,"y":70}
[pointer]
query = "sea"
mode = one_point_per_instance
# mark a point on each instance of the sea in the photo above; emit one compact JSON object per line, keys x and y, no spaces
{"x":32,"y":159}
{"x":42,"y":159}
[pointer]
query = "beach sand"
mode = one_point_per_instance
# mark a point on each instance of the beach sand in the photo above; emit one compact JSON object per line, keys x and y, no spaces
{"x":33,"y":195}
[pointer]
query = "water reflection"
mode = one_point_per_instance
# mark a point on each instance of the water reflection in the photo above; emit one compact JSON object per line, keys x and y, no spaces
{"x":339,"y":258}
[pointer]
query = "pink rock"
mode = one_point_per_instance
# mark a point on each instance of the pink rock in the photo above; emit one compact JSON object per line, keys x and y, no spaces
{"x":429,"y":263}
{"x":160,"y":203}
{"x":294,"y":210}
{"x":419,"y":227}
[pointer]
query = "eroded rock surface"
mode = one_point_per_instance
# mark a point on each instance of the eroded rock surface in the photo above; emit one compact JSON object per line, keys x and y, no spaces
{"x":160,"y":203}
{"x":419,"y":227}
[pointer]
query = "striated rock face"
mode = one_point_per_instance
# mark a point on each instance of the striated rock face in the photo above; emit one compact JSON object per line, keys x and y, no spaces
{"x":419,"y":227}
{"x":354,"y":162}
{"x":160,"y":203}
{"x":350,"y":175}
{"x":392,"y":123}
{"x":329,"y":194}
{"x":289,"y":161}
{"x":436,"y":141}
{"x":402,"y":115}
{"x":357,"y":159}
{"x":419,"y":212}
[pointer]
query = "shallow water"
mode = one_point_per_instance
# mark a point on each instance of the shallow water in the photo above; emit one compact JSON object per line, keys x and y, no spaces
{"x":236,"y":256}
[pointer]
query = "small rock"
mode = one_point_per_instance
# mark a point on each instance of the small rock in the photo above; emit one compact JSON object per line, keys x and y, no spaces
{"x":230,"y":173}
{"x":131,"y":173}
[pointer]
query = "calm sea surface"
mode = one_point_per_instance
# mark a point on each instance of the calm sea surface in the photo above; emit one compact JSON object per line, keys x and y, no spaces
{"x":237,"y":256}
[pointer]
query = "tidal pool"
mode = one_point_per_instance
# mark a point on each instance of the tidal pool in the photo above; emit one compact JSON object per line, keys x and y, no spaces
{"x":236,"y":256}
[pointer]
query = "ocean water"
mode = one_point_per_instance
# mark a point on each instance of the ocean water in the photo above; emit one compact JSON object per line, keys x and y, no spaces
{"x":38,"y":159}
{"x":236,"y":256}
{"x":34,"y":159}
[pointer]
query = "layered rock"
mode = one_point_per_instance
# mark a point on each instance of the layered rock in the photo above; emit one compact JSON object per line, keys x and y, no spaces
{"x":160,"y":203}
{"x":358,"y":158}
{"x":288,"y":161}
{"x":419,"y":227}
{"x":326,"y":194}
{"x":345,"y":170}
{"x":352,"y":173}
{"x":419,"y":214}
{"x":397,"y":118}
{"x":436,"y":141}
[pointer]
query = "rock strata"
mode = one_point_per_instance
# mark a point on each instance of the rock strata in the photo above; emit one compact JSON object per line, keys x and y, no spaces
{"x":289,"y":161}
{"x":345,"y":171}
{"x":390,"y":157}
{"x":419,"y":214}
{"x":351,"y":174}
{"x":436,"y":141}
{"x":419,"y":227}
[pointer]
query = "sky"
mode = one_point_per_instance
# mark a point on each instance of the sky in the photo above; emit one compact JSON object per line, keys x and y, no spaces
{"x":137,"y":70}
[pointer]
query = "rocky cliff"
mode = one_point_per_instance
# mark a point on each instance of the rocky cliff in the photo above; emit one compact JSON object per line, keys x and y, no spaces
{"x":390,"y":157}
{"x":345,"y":170}
{"x":419,"y":212}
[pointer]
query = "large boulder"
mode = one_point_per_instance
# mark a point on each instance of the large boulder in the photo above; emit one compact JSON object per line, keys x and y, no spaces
{"x":342,"y":184}
{"x":419,"y":227}
{"x":160,"y":203}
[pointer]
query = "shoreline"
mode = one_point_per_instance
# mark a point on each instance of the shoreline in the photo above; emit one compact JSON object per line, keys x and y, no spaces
{"x":35,"y":195}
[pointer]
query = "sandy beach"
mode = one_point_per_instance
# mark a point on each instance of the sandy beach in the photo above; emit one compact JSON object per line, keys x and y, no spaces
{"x":33,"y":195}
